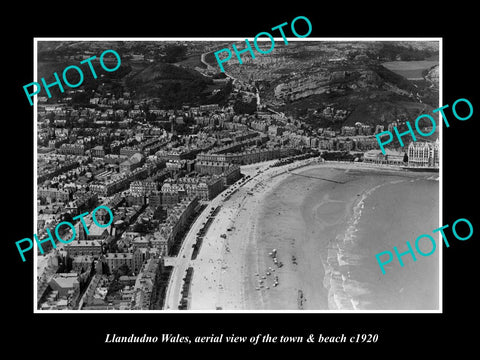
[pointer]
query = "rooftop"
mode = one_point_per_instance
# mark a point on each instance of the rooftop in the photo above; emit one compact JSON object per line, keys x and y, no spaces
{"x":65,"y":280}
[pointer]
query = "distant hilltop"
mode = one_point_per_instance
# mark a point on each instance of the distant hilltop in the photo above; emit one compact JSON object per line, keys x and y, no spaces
{"x":367,"y":93}
{"x":420,"y":45}
{"x":303,"y":80}
{"x":334,"y":79}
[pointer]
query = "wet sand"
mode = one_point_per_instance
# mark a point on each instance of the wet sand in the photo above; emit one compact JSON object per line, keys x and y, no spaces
{"x":311,"y":222}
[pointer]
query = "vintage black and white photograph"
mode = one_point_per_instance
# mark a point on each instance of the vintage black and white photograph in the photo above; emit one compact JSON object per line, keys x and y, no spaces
{"x":288,"y":182}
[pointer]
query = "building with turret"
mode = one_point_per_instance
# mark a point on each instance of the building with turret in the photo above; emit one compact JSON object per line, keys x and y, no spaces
{"x":424,"y":154}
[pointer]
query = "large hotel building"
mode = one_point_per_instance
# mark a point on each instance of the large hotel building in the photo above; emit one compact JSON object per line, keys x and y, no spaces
{"x":420,"y":154}
{"x":424,"y":154}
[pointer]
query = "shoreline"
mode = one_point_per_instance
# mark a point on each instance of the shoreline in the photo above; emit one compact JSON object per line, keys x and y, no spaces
{"x":228,"y":271}
{"x":213,"y":289}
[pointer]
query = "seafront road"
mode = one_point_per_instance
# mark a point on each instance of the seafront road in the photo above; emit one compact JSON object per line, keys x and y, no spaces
{"x":184,"y":261}
{"x":258,"y":173}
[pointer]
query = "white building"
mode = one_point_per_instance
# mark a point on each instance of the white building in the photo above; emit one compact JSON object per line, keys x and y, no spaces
{"x":391,"y":157}
{"x":424,"y":154}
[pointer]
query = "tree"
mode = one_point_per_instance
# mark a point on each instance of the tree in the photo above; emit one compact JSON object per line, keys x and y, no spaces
{"x":174,"y":53}
{"x":241,"y":107}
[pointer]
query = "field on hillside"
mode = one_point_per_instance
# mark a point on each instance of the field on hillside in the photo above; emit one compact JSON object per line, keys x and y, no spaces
{"x":410,"y":69}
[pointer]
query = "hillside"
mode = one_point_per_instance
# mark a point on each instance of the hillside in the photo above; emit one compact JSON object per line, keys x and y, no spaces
{"x":163,"y":71}
{"x":324,"y":83}
{"x":366,"y":93}
{"x":341,"y":80}
{"x":340,"y":83}
{"x":172,"y":85}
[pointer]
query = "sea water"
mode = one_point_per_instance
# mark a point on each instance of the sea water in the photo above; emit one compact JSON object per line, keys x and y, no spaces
{"x":396,"y":210}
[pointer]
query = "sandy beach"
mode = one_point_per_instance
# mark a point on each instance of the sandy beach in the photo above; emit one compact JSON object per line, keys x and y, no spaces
{"x":312,"y":218}
{"x":224,"y":265}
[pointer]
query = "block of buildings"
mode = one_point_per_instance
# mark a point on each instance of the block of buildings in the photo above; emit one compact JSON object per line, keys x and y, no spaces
{"x":84,"y":247}
{"x":424,"y":154}
{"x":145,"y":289}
